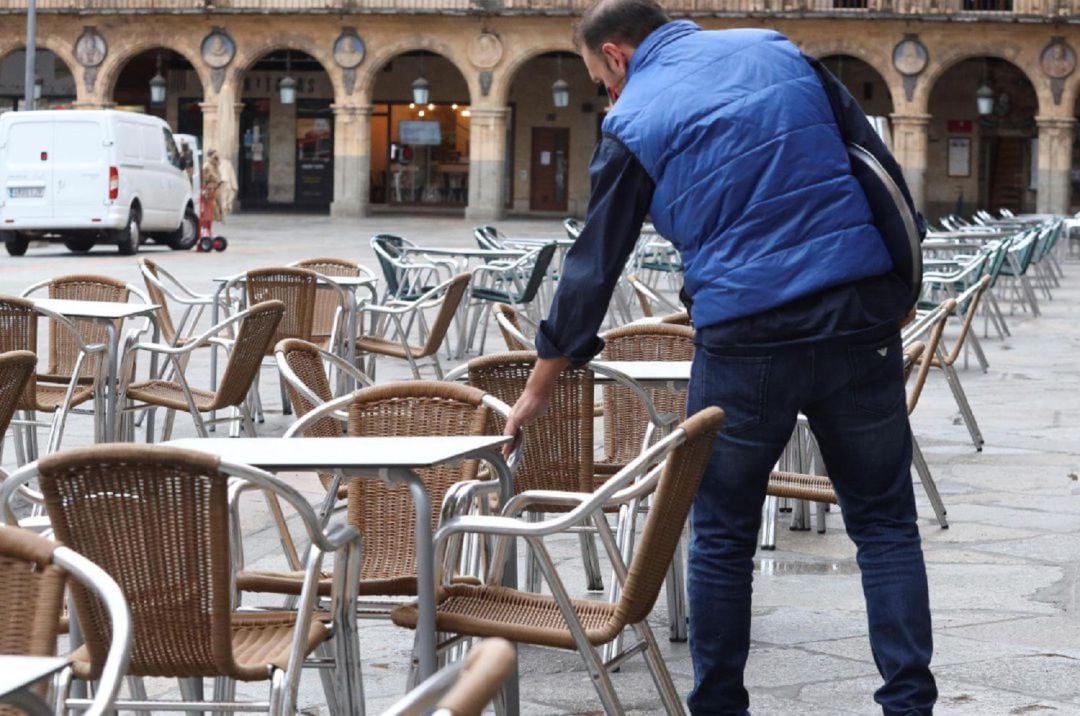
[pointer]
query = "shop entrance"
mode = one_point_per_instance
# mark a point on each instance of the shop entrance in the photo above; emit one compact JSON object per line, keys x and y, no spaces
{"x":314,"y":152}
{"x":254,"y":153}
{"x":550,"y":162}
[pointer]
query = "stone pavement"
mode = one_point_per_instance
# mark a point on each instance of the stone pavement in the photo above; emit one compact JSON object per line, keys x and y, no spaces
{"x":1003,"y":577}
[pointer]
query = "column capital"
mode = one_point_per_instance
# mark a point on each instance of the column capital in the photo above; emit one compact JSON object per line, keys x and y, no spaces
{"x":208,"y":107}
{"x":1055,"y":122}
{"x":911,"y":120}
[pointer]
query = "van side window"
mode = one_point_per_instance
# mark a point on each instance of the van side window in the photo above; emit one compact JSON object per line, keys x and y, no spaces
{"x":171,"y":152}
{"x":129,"y":146}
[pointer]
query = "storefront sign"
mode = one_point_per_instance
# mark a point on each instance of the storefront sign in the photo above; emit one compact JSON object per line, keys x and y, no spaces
{"x":959,"y":126}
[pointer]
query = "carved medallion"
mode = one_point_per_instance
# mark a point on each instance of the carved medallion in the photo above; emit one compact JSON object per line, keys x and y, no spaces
{"x":910,"y":56}
{"x":1058,"y":60}
{"x":218,"y":49}
{"x":349,"y":49}
{"x":90,"y":48}
{"x":485,"y":50}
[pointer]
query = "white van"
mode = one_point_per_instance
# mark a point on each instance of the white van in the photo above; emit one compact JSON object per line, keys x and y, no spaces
{"x":83,"y":177}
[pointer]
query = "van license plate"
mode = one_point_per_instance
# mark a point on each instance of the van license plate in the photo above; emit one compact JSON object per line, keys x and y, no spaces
{"x":26,"y":192}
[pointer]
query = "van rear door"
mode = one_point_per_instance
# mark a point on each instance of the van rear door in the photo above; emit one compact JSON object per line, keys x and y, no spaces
{"x":26,"y":172}
{"x":80,"y":168}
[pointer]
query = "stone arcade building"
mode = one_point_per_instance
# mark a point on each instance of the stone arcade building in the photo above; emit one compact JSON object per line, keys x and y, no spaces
{"x":490,"y":137}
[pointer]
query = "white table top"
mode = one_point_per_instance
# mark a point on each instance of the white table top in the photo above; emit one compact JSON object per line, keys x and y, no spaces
{"x":649,"y":371}
{"x":534,"y":241}
{"x":344,"y":452}
{"x":465,"y":252}
{"x":18,"y":672}
{"x":95,"y":309}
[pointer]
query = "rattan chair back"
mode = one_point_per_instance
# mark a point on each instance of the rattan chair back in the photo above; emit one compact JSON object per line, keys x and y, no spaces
{"x":63,"y":349}
{"x":16,"y":373}
{"x":625,"y":415}
{"x":486,"y":668}
{"x":18,"y":332}
{"x":558,"y":447}
{"x":31,"y":595}
{"x":169,"y":510}
{"x":453,"y":294}
{"x":157,"y":296}
{"x":513,"y":343}
{"x":679,"y":318}
{"x":384,"y":514}
{"x":254,"y":340}
{"x":296,"y":289}
{"x":933,"y":339}
{"x":327,"y":299}
{"x":306,"y":362}
{"x":668,"y":511}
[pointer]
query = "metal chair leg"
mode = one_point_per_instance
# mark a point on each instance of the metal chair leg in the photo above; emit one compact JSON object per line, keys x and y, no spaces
{"x":591,"y":558}
{"x":768,"y":529}
{"x":927,"y":480}
{"x":192,"y":690}
{"x":669,"y":695}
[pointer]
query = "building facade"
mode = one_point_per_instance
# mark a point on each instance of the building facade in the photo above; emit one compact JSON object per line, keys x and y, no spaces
{"x":980,"y":95}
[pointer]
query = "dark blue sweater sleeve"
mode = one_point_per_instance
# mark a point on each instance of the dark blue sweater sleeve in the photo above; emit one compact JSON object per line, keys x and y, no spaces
{"x":621,"y":193}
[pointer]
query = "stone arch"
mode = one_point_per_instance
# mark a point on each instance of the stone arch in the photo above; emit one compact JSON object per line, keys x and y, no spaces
{"x":367,"y":73}
{"x":119,"y":57}
{"x":500,"y":91}
{"x":64,"y":52}
{"x":950,"y":58}
{"x":249,"y":54}
{"x":875,"y":76}
{"x":878,"y":61}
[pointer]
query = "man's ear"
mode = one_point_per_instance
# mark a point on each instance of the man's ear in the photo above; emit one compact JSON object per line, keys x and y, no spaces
{"x":615,"y":58}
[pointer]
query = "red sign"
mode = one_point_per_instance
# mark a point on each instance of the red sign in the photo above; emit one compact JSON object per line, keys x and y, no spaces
{"x":959,"y":126}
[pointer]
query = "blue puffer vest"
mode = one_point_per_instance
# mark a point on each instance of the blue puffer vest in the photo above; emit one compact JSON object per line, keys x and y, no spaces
{"x":753,"y":184}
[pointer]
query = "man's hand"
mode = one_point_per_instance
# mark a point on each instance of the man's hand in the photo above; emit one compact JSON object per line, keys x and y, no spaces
{"x":534,"y":401}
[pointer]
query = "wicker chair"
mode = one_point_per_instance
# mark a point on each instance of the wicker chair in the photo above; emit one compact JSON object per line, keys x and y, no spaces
{"x":462,"y":688}
{"x":408,"y":318}
{"x":384,"y":514}
{"x":510,"y":323}
{"x":72,"y":358}
{"x":326,"y":328}
{"x":626,"y":417}
{"x":157,"y":519}
{"x":163,"y":288}
{"x":302,"y":367}
{"x":34,"y":572}
{"x":797,"y":483}
{"x":559,"y":445}
{"x":257,"y":326}
{"x":649,"y":297}
{"x":16,"y":375}
{"x":557,"y":621}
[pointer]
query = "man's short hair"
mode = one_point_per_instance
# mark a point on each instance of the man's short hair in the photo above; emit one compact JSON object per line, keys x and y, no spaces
{"x":619,"y":21}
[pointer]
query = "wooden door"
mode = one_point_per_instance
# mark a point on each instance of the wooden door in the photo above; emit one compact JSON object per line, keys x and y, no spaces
{"x":550,"y":169}
{"x":1008,"y":169}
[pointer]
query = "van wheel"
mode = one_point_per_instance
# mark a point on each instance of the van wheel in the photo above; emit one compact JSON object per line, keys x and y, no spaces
{"x":128,"y":238}
{"x":79,"y":246}
{"x":16,"y":245}
{"x":186,"y":234}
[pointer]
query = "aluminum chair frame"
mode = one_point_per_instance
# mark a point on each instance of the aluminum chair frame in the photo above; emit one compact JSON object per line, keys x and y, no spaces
{"x":526,"y":276}
{"x":343,"y":629}
{"x":407,"y":278}
{"x":98,"y":582}
{"x":638,"y":479}
{"x":462,"y":687}
{"x":178,"y":355}
{"x":412,"y":312}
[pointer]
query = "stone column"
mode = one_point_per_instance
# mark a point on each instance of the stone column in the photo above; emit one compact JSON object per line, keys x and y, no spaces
{"x":487,"y":164}
{"x":352,"y":159}
{"x":910,"y":135}
{"x":210,"y":129}
{"x":1056,"y":136}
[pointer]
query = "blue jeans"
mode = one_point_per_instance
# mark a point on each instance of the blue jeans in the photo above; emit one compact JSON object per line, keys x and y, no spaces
{"x":853,"y":396}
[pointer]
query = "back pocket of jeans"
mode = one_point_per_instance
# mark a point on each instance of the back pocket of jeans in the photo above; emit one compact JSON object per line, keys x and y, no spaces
{"x":877,"y":384}
{"x":738,"y":384}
